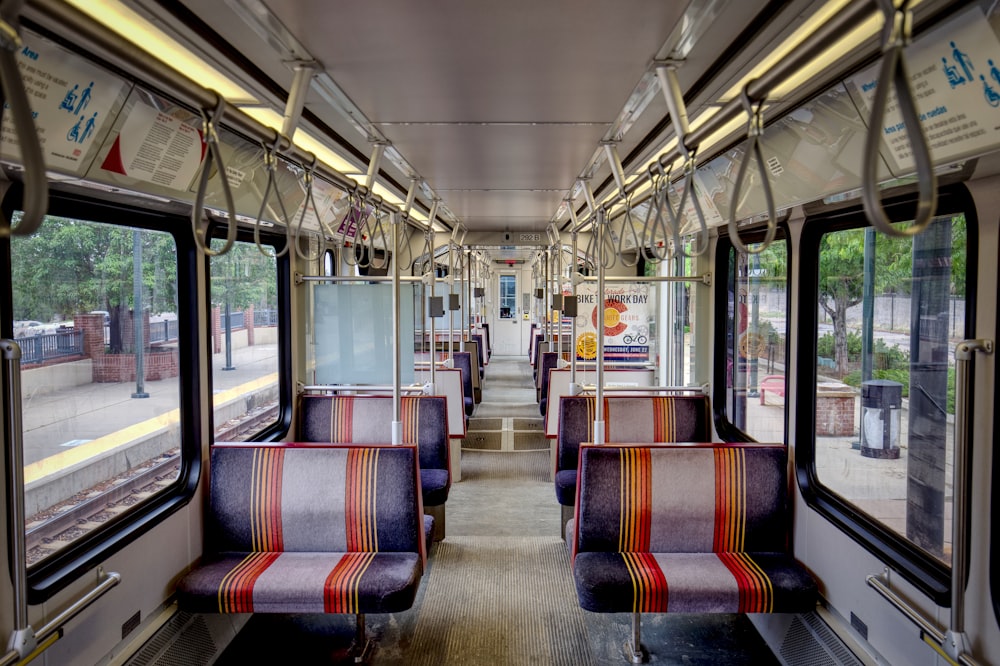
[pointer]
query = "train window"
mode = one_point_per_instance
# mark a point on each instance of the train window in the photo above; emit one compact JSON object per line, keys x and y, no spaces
{"x":755,"y":298}
{"x":245,"y":358}
{"x":876,"y":368}
{"x":101,"y":377}
{"x":890,"y":312}
{"x":508,"y":296}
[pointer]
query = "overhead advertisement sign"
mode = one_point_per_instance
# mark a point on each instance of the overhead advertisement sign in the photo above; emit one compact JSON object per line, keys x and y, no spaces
{"x":955,"y":76}
{"x":624,"y":313}
{"x":154,"y":146}
{"x":72,"y":102}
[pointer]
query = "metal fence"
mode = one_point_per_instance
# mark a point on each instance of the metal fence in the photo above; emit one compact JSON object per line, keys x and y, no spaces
{"x":265,"y":318}
{"x":162,"y":331}
{"x":48,"y":346}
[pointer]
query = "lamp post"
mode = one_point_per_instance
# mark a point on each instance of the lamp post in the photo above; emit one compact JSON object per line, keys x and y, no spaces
{"x":140,"y":370}
{"x":229,"y":319}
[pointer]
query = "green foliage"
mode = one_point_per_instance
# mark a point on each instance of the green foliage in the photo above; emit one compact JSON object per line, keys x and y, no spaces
{"x":826,"y":343}
{"x":246,"y":277}
{"x":72,"y":266}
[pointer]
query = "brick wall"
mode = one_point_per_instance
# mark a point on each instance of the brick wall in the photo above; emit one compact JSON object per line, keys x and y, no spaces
{"x":117,"y":368}
{"x":835,"y":415}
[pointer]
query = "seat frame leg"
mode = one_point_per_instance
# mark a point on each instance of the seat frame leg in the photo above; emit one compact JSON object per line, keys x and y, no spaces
{"x":363,"y":647}
{"x":633,"y":646}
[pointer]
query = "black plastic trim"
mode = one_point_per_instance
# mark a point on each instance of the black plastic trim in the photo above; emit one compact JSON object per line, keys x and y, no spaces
{"x":726,"y":429}
{"x":928,"y":574}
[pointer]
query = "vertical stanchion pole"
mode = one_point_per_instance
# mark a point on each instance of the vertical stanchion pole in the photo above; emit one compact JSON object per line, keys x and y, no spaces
{"x":600,"y":230}
{"x":397,"y":408}
{"x":22,"y":638}
{"x":432,"y":282}
{"x":140,"y":368}
{"x":573,"y":387}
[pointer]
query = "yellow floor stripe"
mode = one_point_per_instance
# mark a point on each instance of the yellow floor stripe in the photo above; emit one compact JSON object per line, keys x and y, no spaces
{"x":60,"y":461}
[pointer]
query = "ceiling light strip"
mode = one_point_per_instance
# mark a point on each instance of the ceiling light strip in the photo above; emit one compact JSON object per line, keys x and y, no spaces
{"x":93,"y":37}
{"x":811,"y":46}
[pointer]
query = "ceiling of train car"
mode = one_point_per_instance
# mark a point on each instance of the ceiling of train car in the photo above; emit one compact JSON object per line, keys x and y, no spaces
{"x":500,"y":107}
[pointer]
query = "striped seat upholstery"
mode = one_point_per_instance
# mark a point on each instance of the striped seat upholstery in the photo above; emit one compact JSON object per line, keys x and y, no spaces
{"x":333,"y":529}
{"x":368,"y":420}
{"x":688,"y":529}
{"x":641,"y":419}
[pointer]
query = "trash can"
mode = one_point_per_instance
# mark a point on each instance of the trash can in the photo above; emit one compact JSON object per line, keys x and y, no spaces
{"x":881,"y":413}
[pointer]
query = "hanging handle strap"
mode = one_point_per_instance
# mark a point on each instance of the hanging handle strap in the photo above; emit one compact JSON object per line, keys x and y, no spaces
{"x":755,"y":129}
{"x":893,"y":75}
{"x":310,"y":200}
{"x":36,"y":183}
{"x":271,"y":167}
{"x":702,"y":246}
{"x":198,"y":212}
{"x":628,"y":224}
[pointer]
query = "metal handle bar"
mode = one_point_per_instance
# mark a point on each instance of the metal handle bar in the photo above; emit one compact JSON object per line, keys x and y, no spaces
{"x":893,"y":74}
{"x":214,"y":154}
{"x":36,"y":183}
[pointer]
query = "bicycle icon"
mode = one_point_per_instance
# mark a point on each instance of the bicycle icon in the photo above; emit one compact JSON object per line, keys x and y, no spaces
{"x":637,"y":339}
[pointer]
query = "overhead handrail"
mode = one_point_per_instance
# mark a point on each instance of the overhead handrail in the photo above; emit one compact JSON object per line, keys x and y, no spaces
{"x":896,"y":35}
{"x":755,"y":129}
{"x":213,"y":154}
{"x":36,"y":184}
{"x":310,"y":200}
{"x":689,"y":171}
{"x":628,"y":223}
{"x":271,"y":167}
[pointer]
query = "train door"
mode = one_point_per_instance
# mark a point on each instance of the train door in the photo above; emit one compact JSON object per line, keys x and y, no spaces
{"x":508,"y":315}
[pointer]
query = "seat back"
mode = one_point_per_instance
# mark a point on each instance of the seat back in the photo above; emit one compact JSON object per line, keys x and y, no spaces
{"x":314,"y":499}
{"x":638,"y":419}
{"x":368,"y":420}
{"x":682,"y":498}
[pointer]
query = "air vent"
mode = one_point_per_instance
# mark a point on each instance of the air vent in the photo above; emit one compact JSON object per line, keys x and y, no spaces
{"x":185,"y":640}
{"x":810,"y":642}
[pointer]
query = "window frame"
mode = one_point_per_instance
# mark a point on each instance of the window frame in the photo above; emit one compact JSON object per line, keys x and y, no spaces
{"x":275,"y":240}
{"x":928,"y":574}
{"x":77,"y":559}
{"x":724,"y":426}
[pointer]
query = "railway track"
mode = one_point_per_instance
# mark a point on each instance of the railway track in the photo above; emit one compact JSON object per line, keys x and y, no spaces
{"x":57,"y":528}
{"x":47,"y":535}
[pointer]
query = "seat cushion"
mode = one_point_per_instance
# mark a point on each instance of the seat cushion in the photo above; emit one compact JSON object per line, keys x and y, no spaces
{"x":609,"y":582}
{"x":434,"y":485}
{"x":566,"y":487}
{"x":302,"y":582}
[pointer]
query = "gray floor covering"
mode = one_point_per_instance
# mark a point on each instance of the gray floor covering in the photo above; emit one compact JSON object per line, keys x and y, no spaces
{"x":499,"y":588}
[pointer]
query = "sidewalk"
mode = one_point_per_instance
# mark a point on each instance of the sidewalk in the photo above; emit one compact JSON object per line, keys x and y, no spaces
{"x":56,"y":419}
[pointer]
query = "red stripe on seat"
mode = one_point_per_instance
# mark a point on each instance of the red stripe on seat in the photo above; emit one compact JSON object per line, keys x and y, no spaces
{"x":359,"y":500}
{"x":756,"y":591}
{"x":265,"y":500}
{"x":236,"y":587}
{"x":636,"y":500}
{"x":340,"y":590}
{"x":730,"y":499}
{"x":342,"y":419}
{"x":651,"y":594}
{"x":410,"y":415}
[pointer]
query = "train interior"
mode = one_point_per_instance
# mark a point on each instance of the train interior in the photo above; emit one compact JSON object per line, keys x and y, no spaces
{"x":569,"y":333}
